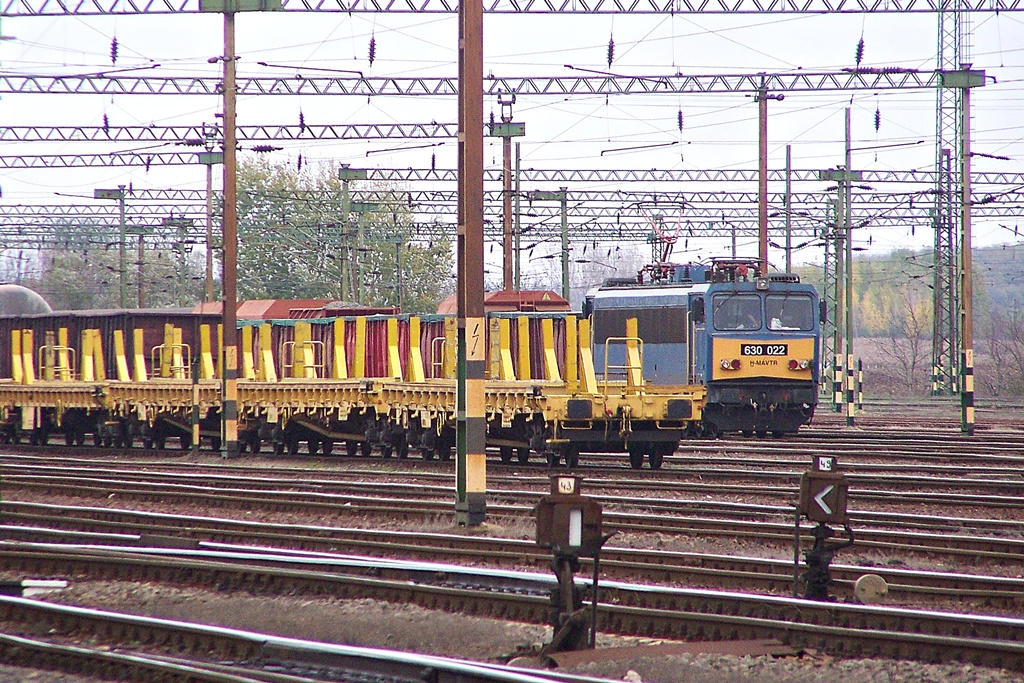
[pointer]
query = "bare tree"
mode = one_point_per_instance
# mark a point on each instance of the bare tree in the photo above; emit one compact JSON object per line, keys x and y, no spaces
{"x":1005,"y":336}
{"x":907,"y":344}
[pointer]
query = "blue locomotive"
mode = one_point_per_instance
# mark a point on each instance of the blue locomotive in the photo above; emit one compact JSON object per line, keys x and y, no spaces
{"x":752,"y":339}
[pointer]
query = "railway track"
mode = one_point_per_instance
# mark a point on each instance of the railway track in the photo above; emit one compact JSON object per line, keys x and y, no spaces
{"x":67,"y":525}
{"x":208,"y":654}
{"x":978,"y":485}
{"x":836,"y":628}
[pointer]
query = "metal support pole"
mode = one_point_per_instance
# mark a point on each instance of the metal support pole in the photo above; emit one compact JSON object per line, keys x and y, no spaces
{"x":837,"y":342}
{"x":762,"y":178}
{"x":141,"y":271}
{"x":122,"y":268}
{"x":517,"y":280}
{"x":565,"y":242}
{"x":182,"y":265}
{"x":357,"y":274}
{"x":209,"y":232}
{"x":762,"y":98}
{"x":507,"y":276}
{"x":471,"y":419}
{"x":848,"y":325}
{"x":966,"y":284}
{"x":789,"y":212}
{"x":345,"y":251}
{"x":229,"y":412}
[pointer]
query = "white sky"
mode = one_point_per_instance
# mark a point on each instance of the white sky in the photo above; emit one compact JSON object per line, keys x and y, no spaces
{"x":720,"y":130}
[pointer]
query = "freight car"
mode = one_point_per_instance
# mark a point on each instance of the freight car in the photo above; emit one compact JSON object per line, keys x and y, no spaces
{"x":751,"y":339}
{"x":364,"y":383}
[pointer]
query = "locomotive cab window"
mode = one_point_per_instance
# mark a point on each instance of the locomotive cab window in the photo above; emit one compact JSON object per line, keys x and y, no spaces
{"x":789,"y":312}
{"x":737,"y":312}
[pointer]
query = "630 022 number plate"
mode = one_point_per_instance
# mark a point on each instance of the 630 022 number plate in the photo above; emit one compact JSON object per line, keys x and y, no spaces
{"x":764,"y":349}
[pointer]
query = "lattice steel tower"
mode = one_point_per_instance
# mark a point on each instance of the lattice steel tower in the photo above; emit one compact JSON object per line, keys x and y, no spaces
{"x":952,"y":52}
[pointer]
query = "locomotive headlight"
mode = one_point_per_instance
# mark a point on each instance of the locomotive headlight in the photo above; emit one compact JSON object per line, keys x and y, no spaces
{"x":725,"y":364}
{"x":804,"y":364}
{"x":761,"y":284}
{"x":735,"y":364}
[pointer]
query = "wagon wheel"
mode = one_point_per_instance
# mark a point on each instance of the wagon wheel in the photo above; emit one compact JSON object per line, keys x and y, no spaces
{"x":636,"y":456}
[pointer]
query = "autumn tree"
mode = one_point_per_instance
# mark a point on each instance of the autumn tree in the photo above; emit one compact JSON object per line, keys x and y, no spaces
{"x":294,"y":242}
{"x":84,"y":272}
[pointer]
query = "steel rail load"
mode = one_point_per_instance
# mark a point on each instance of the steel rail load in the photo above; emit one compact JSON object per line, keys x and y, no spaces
{"x":751,"y":340}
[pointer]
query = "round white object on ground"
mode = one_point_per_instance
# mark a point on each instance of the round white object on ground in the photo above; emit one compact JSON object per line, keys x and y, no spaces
{"x":870,"y":589}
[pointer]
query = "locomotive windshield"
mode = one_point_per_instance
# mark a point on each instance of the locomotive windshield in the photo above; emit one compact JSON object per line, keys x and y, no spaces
{"x":737,"y":312}
{"x":792,"y":312}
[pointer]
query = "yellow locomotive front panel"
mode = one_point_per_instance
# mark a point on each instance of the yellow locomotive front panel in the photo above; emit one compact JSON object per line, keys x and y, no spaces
{"x":744,"y":359}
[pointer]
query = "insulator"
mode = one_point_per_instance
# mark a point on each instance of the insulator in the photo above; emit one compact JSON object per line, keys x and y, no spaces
{"x":611,"y":51}
{"x":302,"y":122}
{"x":878,"y":119}
{"x":492,"y":119}
{"x":860,"y":51}
{"x":300,"y":163}
{"x":149,"y":160}
{"x":373,"y":49}
{"x":433,"y":162}
{"x":113,"y":50}
{"x":679,"y":120}
{"x":106,"y":124}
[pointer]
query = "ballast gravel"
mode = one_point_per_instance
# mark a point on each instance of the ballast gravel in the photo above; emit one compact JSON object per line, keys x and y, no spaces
{"x":372,"y":623}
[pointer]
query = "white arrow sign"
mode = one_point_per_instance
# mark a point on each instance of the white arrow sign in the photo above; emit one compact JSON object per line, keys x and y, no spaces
{"x":820,"y":498}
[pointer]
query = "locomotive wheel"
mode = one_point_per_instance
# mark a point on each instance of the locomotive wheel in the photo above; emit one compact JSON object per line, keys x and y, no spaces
{"x":79,"y":436}
{"x":327,"y":446}
{"x":554,"y":457}
{"x":185,"y":441}
{"x":255,"y":442}
{"x":523,"y":455}
{"x":215,"y":443}
{"x":351,"y":448}
{"x":385,"y":450}
{"x":69,"y":437}
{"x":312,"y":445}
{"x":444,"y":452}
{"x":761,"y":433}
{"x":506,"y":454}
{"x":365,"y":448}
{"x":292,"y":443}
{"x":748,"y":433}
{"x":279,"y":448}
{"x":636,"y":457}
{"x":427,"y":453}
